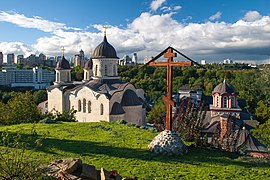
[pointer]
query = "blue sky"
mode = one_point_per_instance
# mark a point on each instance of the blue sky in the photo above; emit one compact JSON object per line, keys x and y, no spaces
{"x":203,"y":29}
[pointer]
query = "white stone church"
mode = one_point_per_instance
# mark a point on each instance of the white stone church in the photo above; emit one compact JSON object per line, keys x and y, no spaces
{"x":101,"y":96}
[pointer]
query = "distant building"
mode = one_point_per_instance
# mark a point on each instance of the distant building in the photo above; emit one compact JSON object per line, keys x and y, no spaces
{"x":20,"y":59}
{"x":127,"y":60}
{"x":135,"y":58}
{"x":147,"y":59}
{"x":10,"y":58}
{"x":203,"y":62}
{"x":78,"y":59}
{"x":195,"y":93}
{"x":227,"y":61}
{"x":1,"y":59}
{"x":37,"y":78}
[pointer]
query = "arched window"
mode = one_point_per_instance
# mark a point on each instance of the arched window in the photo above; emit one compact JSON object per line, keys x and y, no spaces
{"x":232,"y":102}
{"x":96,"y":69}
{"x":225,"y":101}
{"x":89,"y":106}
{"x":217,"y":101}
{"x":58,"y":77}
{"x":79,"y":105}
{"x":84,"y":105}
{"x":101,"y":109}
{"x":106,"y":70}
{"x":114,"y":70}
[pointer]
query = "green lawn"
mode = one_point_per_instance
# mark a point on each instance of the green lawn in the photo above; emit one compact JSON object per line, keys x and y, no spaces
{"x":124,"y":148}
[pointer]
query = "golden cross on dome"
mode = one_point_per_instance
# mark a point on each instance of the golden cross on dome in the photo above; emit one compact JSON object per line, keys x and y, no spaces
{"x":105,"y":29}
{"x":63,"y":50}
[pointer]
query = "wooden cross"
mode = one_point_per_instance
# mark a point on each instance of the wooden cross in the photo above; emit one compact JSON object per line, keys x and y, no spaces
{"x":63,"y":51}
{"x":169,"y":64}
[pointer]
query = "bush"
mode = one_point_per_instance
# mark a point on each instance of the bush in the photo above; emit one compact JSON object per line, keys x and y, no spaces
{"x":20,"y":109}
{"x":15,"y":162}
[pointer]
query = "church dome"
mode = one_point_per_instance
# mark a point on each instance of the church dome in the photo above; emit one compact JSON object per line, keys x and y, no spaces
{"x":117,"y":109}
{"x":130,"y":98}
{"x":89,"y":64}
{"x":223,"y":88}
{"x":104,"y":50}
{"x":63,"y":64}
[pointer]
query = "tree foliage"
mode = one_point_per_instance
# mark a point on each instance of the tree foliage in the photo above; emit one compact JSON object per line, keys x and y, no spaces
{"x":19,"y":109}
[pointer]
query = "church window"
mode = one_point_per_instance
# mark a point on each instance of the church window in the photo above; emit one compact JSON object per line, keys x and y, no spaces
{"x":89,"y":106}
{"x":96,"y":69}
{"x":225,"y":101}
{"x":58,"y":77}
{"x":217,"y":101}
{"x":84,"y":105}
{"x":106,"y":70}
{"x":232,"y":102}
{"x":114,"y":70}
{"x":79,"y":105}
{"x":101,"y":109}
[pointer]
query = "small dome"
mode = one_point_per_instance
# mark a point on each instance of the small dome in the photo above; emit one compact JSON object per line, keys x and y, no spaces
{"x":89,"y":64}
{"x":223,"y":88}
{"x":130,"y":98}
{"x":117,"y":109}
{"x":104,"y":50}
{"x":63,"y":64}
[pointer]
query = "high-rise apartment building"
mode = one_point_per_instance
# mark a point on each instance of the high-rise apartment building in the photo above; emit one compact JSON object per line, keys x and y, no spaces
{"x":10,"y":58}
{"x":1,"y":59}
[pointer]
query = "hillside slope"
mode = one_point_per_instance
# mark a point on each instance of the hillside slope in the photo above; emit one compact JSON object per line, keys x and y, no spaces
{"x":124,"y":148}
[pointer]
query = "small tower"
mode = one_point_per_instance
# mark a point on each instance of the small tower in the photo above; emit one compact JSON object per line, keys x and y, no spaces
{"x":88,"y":69}
{"x":62,"y":70}
{"x":105,"y":60}
{"x":134,"y":58}
{"x":225,"y":100}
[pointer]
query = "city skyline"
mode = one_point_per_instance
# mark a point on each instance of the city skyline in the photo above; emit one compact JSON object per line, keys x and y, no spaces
{"x":201,"y":29}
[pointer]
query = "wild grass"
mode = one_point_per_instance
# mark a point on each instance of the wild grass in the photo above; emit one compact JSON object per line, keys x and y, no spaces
{"x":124,"y":148}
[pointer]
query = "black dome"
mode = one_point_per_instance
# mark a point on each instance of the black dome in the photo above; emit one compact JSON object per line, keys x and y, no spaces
{"x":89,"y":64}
{"x":130,"y":98}
{"x":117,"y":109}
{"x":63,"y":64}
{"x":223,"y":88}
{"x":104,"y":50}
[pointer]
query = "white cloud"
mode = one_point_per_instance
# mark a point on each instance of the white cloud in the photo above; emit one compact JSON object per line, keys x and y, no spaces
{"x":16,"y":48}
{"x":215,"y":16}
{"x":176,"y":8}
{"x":34,"y":22}
{"x":155,"y":4}
{"x":150,"y":33}
{"x":252,"y":16}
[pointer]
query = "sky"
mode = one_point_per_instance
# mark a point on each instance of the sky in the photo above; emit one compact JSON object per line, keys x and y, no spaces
{"x":212,"y":30}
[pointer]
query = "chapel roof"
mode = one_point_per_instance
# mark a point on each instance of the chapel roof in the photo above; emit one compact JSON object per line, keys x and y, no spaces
{"x":223,"y":88}
{"x":89,"y":64}
{"x":117,"y":109}
{"x":104,"y":50}
{"x":130,"y":98}
{"x":62,"y":64}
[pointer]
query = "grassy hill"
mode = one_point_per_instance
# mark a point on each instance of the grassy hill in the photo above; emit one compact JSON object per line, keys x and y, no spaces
{"x":124,"y":148}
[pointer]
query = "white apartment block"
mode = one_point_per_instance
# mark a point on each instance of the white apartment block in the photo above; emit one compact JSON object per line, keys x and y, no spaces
{"x":37,"y":78}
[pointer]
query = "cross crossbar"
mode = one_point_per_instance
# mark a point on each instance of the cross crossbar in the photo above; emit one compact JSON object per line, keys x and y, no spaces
{"x":169,"y":54}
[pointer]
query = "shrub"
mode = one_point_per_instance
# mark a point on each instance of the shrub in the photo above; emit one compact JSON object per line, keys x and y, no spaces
{"x":15,"y":162}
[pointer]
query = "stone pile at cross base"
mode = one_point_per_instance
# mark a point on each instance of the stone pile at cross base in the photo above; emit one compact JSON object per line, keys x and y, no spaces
{"x":169,"y":143}
{"x":74,"y":169}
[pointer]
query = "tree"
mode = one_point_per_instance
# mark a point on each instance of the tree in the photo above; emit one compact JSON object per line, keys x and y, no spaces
{"x":263,"y":110}
{"x":20,"y":109}
{"x":39,"y":96}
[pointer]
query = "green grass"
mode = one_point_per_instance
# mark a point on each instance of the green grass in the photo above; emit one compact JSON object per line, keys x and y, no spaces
{"x":124,"y":148}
